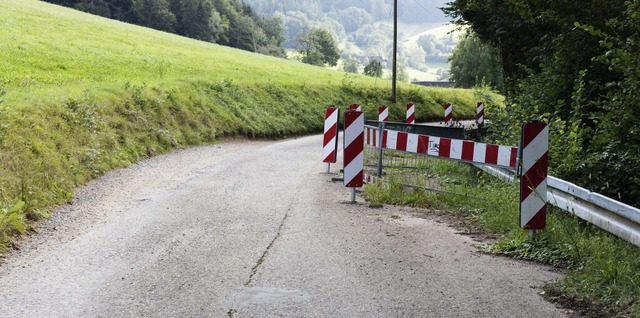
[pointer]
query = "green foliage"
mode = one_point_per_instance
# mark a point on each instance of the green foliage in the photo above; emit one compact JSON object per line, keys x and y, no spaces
{"x":401,"y":72}
{"x":155,"y":14}
{"x":373,"y":69}
{"x":351,"y":66}
{"x":475,"y":63}
{"x":318,"y":47}
{"x":395,"y":192}
{"x":575,"y":66}
{"x":11,"y":222}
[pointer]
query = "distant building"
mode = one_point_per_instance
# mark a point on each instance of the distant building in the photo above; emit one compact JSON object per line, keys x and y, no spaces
{"x":434,"y":84}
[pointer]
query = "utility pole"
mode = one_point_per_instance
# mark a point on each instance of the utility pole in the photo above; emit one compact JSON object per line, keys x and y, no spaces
{"x":394,"y":77}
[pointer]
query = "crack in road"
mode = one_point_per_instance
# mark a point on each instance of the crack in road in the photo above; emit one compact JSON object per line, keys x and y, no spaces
{"x":262,"y":258}
{"x":232,"y":311}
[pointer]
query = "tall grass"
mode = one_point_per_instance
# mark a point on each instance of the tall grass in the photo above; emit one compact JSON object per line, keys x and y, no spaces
{"x":80,"y":95}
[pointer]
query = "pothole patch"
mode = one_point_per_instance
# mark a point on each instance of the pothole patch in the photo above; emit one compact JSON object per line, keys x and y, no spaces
{"x":262,"y":295}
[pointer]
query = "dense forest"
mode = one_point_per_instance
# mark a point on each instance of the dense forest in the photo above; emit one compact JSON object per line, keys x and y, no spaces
{"x":226,"y":22}
{"x":576,"y":66}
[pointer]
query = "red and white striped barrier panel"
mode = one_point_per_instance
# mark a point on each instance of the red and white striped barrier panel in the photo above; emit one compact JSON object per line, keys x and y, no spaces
{"x":448,"y":114}
{"x":372,"y":136}
{"x":480,"y":114}
{"x":355,"y":108}
{"x":383,"y":113}
{"x":353,"y":149}
{"x":533,"y":177}
{"x":330,"y":143}
{"x":411,"y":114}
{"x":446,"y":148}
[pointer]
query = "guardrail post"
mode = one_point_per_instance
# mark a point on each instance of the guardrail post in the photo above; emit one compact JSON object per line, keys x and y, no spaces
{"x":330,"y":142}
{"x":411,"y":114}
{"x":533,"y":180}
{"x":353,"y":151}
{"x":448,"y":115}
{"x":480,"y":115}
{"x":380,"y":149}
{"x":383,"y":113}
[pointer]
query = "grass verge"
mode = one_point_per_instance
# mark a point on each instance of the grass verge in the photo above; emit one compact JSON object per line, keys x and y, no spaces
{"x":602,"y":271}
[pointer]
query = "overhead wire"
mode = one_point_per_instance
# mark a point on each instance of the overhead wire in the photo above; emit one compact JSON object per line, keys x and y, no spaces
{"x":425,"y":9}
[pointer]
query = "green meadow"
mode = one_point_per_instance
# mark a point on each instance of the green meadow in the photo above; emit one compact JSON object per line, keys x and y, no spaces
{"x":81,"y":95}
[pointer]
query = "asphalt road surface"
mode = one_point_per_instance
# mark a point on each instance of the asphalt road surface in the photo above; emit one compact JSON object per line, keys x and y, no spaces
{"x":254,"y":229}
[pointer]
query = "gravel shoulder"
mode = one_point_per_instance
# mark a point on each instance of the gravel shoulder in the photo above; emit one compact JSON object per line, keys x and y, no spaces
{"x":254,"y":229}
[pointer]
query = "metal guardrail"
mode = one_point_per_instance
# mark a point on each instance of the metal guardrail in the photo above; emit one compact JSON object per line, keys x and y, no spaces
{"x":615,"y":217}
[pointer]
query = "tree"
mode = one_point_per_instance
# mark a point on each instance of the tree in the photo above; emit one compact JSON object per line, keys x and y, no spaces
{"x":573,"y":64}
{"x":318,"y":47}
{"x":353,"y":18}
{"x":273,"y":30}
{"x":474,"y":63}
{"x":401,"y":72}
{"x":351,"y":66}
{"x":373,"y":69}
{"x":97,"y":7}
{"x":428,"y":43}
{"x":155,"y":14}
{"x":414,"y":55}
{"x":195,"y":19}
{"x":242,"y":34}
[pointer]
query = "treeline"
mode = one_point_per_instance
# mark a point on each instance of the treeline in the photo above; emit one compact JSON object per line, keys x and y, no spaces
{"x":226,"y":22}
{"x":408,"y":11}
{"x":575,"y":65}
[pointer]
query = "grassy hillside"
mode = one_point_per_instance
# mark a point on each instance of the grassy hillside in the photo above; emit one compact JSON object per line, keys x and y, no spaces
{"x":80,"y":95}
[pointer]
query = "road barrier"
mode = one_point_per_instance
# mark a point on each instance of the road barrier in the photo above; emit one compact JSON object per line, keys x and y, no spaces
{"x":353,"y":151}
{"x":383,"y":113}
{"x":448,"y":115}
{"x":445,"y":148}
{"x":330,"y":142}
{"x":610,"y":215}
{"x":355,"y":107}
{"x":476,"y":153}
{"x":422,"y":129}
{"x":533,"y":176}
{"x":411,"y":114}
{"x":480,"y":115}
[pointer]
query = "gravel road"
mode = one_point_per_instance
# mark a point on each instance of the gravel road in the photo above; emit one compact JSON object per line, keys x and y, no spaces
{"x":254,"y":229}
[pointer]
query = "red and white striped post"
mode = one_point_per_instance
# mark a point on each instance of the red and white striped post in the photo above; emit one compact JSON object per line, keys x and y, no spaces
{"x":383,"y":113}
{"x":448,"y":115}
{"x":411,"y":114}
{"x":480,"y":114}
{"x":353,"y":151}
{"x":355,"y":108}
{"x":534,"y":160}
{"x":330,"y":143}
